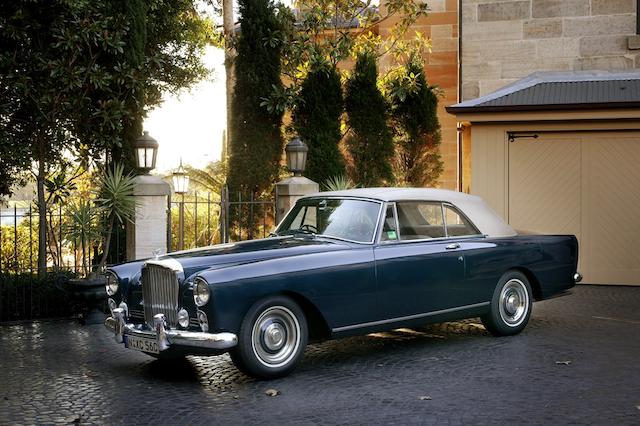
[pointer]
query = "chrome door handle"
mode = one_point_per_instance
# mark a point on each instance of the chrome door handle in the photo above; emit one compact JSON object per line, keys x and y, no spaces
{"x":453,"y":246}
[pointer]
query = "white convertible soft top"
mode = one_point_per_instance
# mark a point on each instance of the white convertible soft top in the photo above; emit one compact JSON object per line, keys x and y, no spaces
{"x":483,"y":217}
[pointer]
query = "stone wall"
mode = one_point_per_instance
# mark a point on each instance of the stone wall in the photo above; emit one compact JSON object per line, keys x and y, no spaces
{"x":503,"y":41}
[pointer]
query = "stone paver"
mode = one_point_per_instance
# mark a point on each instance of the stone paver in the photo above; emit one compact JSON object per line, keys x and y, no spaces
{"x":60,"y":372}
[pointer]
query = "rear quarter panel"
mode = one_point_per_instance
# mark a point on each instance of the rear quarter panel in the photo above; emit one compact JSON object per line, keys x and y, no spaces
{"x":549,"y":260}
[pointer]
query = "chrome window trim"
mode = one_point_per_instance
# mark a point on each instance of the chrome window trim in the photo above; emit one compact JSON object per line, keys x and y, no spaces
{"x":424,"y":240}
{"x":444,"y":220}
{"x":461,"y":213}
{"x":408,"y":317}
{"x":370,"y":200}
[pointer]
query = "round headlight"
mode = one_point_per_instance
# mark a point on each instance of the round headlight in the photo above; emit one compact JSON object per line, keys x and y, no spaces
{"x":201,"y":292}
{"x":183,"y":318}
{"x":112,"y":284}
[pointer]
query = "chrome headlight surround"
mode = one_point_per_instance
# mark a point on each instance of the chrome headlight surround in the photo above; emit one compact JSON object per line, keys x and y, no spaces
{"x":112,"y":283}
{"x":201,"y":292}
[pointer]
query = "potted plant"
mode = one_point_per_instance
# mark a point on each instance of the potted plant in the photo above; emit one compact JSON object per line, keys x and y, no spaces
{"x":116,"y":204}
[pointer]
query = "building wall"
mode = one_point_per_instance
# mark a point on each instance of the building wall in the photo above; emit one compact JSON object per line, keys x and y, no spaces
{"x":503,"y":41}
{"x":441,"y":69}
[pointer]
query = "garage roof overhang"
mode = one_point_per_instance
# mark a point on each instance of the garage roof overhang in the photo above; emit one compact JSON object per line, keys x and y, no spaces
{"x":569,"y":95}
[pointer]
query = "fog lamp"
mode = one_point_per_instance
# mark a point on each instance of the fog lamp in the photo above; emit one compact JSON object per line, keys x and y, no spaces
{"x":183,"y":318}
{"x":203,"y":321}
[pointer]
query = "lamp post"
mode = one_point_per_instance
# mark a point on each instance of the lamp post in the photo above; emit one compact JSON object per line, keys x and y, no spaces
{"x":148,"y":233}
{"x":296,"y":153}
{"x":146,"y":152}
{"x":289,"y":190}
{"x":180,"y":186}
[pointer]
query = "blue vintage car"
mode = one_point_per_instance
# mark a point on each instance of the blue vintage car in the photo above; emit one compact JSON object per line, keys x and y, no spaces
{"x":339,"y":264}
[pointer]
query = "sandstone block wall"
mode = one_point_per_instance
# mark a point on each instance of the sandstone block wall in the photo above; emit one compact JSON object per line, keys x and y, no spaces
{"x":505,"y":40}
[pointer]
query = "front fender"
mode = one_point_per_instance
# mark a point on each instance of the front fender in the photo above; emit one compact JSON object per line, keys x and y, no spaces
{"x":340,"y":285}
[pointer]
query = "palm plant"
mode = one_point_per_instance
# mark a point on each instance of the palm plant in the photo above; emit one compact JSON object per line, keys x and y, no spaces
{"x":83,"y":227}
{"x":212,"y":178}
{"x":116,"y":201}
{"x":338,"y":183}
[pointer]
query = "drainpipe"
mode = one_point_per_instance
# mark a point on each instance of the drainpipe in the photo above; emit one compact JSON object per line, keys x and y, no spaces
{"x":458,"y":125}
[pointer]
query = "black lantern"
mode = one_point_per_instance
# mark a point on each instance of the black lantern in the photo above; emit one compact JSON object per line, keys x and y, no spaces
{"x":146,"y":151}
{"x":296,"y":152}
{"x":180,"y":180}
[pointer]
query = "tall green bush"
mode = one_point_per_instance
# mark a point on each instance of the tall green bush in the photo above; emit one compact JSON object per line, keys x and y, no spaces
{"x":317,"y":121}
{"x":414,"y":114}
{"x":369,"y":142}
{"x":256,"y":144}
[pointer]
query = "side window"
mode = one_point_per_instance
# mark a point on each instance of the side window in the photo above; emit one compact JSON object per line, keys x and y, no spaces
{"x":420,"y":220}
{"x":389,"y":231}
{"x":457,"y":224}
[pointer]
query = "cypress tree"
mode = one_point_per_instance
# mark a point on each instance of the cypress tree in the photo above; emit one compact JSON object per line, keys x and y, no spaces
{"x":370,"y":143}
{"x":317,"y":120}
{"x":255,"y":147}
{"x":417,"y":130}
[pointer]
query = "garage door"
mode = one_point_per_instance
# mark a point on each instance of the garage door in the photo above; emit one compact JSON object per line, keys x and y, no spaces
{"x":583,"y":184}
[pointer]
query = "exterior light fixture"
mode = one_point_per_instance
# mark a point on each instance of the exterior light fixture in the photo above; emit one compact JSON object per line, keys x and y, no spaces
{"x":296,"y":152}
{"x":180,"y":186}
{"x":180,"y":180}
{"x":146,"y":152}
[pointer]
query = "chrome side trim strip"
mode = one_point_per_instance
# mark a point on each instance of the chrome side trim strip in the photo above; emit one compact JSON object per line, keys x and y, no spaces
{"x":408,"y":317}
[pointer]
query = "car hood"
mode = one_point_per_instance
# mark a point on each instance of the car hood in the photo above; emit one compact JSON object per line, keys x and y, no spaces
{"x":213,"y":257}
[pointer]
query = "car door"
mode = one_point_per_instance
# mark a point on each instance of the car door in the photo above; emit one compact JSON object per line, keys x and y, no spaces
{"x":419,"y":269}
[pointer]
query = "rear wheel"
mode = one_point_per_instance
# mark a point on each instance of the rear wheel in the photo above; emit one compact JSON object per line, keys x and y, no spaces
{"x":510,"y":305}
{"x":272,"y":338}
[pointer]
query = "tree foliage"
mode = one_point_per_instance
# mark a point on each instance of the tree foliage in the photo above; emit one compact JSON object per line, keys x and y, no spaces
{"x":316,"y":40}
{"x":414,"y":114}
{"x":74,"y":75}
{"x":369,"y":142}
{"x":255,"y":148}
{"x":317,"y":120}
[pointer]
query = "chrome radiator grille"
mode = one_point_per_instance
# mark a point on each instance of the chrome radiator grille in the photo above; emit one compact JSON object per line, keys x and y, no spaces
{"x":160,"y":293}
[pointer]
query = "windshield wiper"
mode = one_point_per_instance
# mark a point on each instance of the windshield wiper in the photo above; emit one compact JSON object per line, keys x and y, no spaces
{"x":296,"y":231}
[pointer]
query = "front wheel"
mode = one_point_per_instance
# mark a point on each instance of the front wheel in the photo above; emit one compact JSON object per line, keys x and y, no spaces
{"x":510,"y":305}
{"x":272,"y":338}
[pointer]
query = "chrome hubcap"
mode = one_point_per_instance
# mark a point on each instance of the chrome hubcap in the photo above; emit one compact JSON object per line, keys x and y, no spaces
{"x":275,"y":337}
{"x":514,"y":302}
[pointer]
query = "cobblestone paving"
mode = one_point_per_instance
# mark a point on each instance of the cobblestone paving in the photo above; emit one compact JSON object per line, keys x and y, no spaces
{"x":61,"y":372}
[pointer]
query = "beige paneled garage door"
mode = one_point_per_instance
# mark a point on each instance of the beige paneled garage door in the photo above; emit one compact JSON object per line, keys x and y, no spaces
{"x":587,"y":184}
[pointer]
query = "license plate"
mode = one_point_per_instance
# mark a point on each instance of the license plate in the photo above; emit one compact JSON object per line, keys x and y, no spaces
{"x":141,"y":344}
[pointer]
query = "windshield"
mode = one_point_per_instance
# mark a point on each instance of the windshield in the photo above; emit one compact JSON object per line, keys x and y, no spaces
{"x":346,"y":219}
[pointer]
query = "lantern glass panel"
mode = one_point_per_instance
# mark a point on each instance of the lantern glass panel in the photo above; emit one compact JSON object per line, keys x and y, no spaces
{"x":148,"y":158}
{"x":141,"y":157}
{"x":180,"y":183}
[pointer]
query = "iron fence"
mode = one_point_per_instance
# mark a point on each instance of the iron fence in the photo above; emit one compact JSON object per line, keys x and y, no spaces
{"x":24,"y":295}
{"x":195,"y":220}
{"x":198,"y":219}
{"x":19,"y":242}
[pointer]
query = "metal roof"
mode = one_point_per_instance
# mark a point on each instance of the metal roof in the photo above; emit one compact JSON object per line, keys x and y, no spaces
{"x":561,"y":90}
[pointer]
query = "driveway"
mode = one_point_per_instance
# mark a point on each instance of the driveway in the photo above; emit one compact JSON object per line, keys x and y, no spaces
{"x":578,"y":362}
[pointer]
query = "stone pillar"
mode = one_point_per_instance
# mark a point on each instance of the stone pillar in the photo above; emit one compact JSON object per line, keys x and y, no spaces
{"x":289,"y":190}
{"x":148,"y":234}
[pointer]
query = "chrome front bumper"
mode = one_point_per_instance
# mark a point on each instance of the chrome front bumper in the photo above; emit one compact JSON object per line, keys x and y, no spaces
{"x":166,"y":338}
